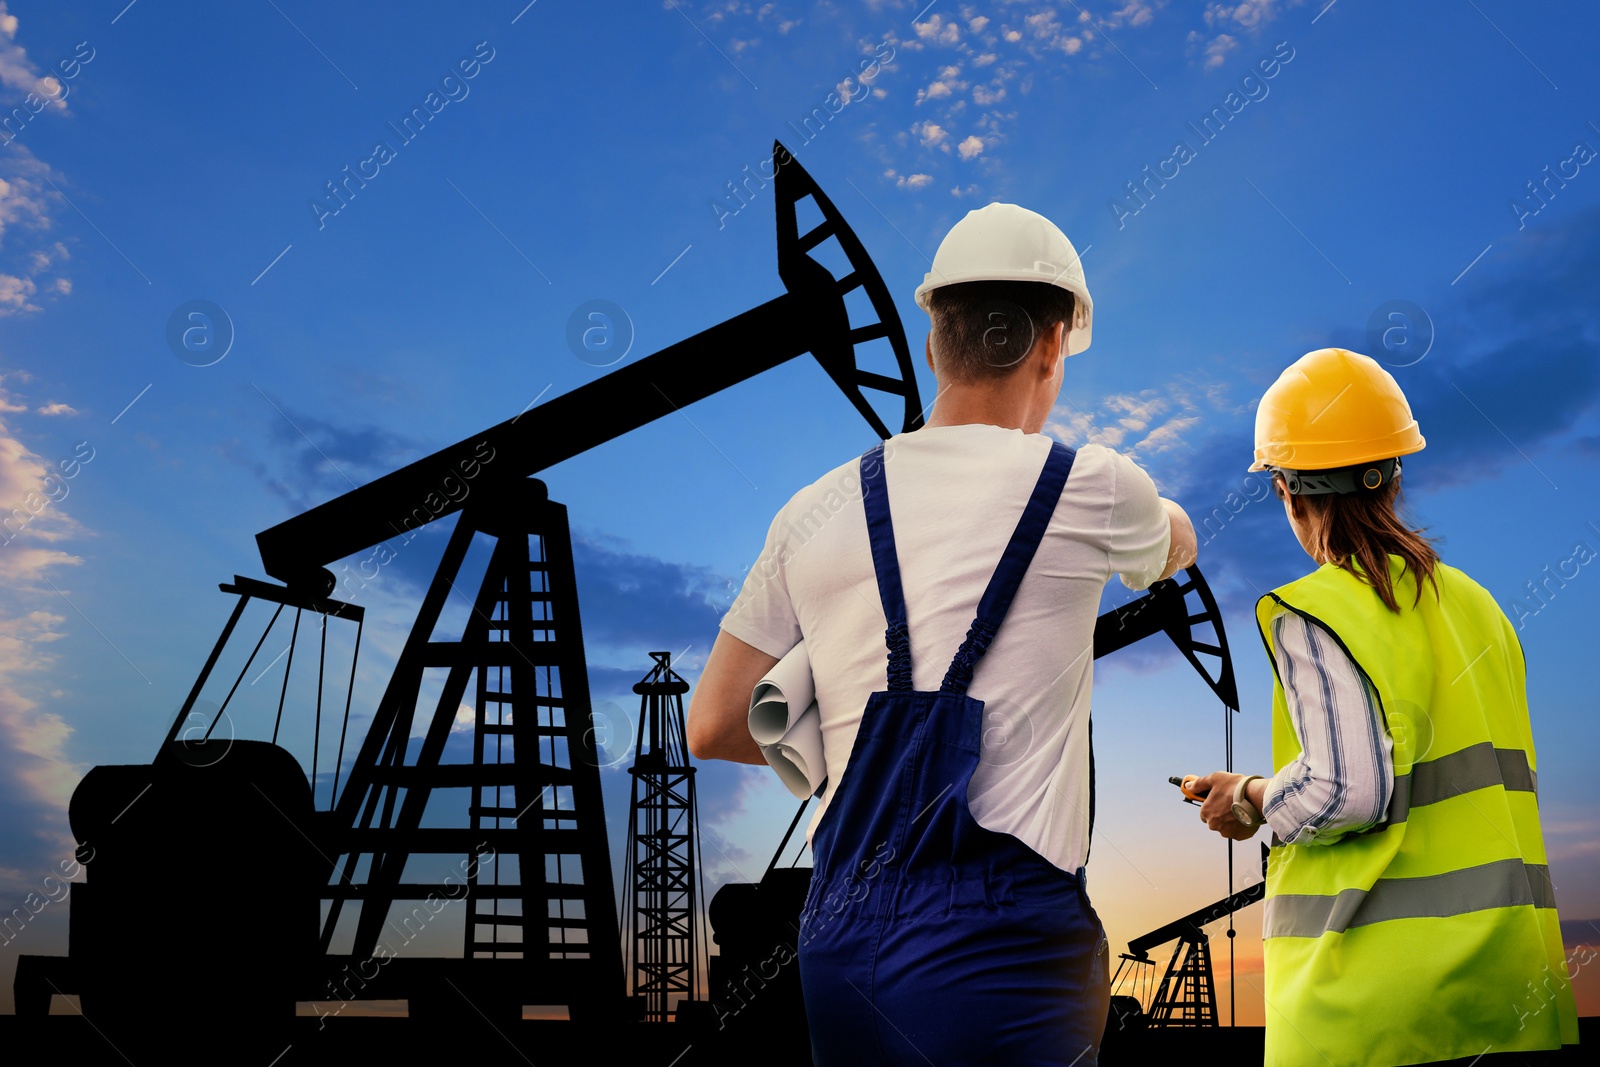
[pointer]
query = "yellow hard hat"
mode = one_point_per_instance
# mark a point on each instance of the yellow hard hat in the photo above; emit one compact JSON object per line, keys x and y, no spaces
{"x":1333,"y":408}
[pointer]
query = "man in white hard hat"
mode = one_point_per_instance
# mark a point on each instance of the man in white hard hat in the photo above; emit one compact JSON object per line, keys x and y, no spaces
{"x":947,"y":919}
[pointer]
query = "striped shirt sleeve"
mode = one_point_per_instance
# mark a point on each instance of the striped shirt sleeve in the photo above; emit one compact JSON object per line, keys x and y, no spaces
{"x":1342,"y":778}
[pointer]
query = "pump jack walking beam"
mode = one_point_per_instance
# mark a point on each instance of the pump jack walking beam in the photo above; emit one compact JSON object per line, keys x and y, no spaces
{"x":810,"y":317}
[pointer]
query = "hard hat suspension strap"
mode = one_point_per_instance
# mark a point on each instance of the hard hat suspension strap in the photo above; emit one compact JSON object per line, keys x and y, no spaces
{"x":1342,"y":480}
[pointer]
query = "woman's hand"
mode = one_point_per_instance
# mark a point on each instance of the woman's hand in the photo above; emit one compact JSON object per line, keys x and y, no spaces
{"x":1216,"y":811}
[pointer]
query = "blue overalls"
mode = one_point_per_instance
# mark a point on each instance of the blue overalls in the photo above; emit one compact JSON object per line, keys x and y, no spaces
{"x":924,"y":936}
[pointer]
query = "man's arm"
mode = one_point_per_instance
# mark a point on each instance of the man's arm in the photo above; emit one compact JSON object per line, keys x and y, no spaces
{"x":1184,"y":546}
{"x":719,"y":711}
{"x":1148,"y":536}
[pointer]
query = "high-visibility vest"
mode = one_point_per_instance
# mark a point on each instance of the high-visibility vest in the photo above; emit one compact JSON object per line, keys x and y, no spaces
{"x":1434,"y":934}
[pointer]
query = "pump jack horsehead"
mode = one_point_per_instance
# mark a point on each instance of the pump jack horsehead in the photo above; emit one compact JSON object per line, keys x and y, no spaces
{"x":535,"y":868}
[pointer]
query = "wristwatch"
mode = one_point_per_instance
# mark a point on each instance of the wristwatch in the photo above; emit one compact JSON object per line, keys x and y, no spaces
{"x":1243,"y":810}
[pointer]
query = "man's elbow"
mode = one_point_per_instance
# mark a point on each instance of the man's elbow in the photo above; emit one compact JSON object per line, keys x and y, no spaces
{"x":701,"y":742}
{"x":1183,"y":547}
{"x":702,"y":746}
{"x":708,"y":738}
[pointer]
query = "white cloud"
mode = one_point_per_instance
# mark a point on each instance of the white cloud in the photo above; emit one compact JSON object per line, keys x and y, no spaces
{"x":16,"y":295}
{"x":1136,"y":411}
{"x":1166,"y":437}
{"x":931,"y":134}
{"x":32,"y":739}
{"x":1232,"y":19}
{"x":21,"y":74}
{"x":56,"y":408}
{"x":1246,"y":14}
{"x":1132,"y":13}
{"x":23,"y":201}
{"x":984,"y":95}
{"x":31,"y":489}
{"x":737,"y":17}
{"x":1043,"y":32}
{"x":937,"y":31}
{"x":1043,"y":24}
{"x":26,"y":204}
{"x":908,"y":181}
{"x":945,"y":85}
{"x":1217,"y":50}
{"x":983,"y":41}
{"x":37,"y":736}
{"x":1143,"y":425}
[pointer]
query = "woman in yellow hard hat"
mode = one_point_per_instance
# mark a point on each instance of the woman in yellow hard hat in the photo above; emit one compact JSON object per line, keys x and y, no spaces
{"x":1409,"y":914}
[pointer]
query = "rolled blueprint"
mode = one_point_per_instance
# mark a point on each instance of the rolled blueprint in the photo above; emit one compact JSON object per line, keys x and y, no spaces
{"x":786,"y":725}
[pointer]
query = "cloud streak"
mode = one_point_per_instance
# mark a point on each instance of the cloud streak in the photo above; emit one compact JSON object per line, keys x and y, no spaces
{"x":37,"y":773}
{"x":26,"y":215}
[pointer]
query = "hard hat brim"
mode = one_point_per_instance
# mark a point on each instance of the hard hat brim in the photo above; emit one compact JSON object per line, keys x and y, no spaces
{"x":1078,"y":337}
{"x":1332,"y":456}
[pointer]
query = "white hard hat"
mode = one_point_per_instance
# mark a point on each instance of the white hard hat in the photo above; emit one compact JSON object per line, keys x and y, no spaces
{"x":1005,"y":242}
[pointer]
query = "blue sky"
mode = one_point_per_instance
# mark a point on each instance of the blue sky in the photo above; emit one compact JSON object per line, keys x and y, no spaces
{"x":1388,"y":162}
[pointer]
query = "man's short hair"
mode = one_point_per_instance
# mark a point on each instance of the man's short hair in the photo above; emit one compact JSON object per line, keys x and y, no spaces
{"x":983,"y":330}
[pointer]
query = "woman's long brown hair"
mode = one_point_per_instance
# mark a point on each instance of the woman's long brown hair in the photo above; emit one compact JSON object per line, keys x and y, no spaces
{"x":1363,"y":529}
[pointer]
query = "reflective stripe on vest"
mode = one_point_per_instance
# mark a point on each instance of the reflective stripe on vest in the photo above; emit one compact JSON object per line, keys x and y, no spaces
{"x":1475,"y":767}
{"x":1502,"y":884}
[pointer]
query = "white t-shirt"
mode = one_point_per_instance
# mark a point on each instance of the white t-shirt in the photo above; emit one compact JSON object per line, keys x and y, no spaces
{"x":955,"y":495}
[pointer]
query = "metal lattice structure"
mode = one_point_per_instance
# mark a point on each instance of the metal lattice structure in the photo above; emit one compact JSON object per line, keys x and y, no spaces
{"x":541,"y":897}
{"x":663,"y":847}
{"x":1187,"y":996}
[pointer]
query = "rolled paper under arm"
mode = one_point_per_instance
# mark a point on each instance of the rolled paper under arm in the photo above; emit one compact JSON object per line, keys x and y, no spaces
{"x":787,"y":726}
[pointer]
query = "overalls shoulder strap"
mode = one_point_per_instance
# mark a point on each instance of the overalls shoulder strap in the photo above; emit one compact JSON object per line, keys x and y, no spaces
{"x":880,"y":532}
{"x":1007,"y":577}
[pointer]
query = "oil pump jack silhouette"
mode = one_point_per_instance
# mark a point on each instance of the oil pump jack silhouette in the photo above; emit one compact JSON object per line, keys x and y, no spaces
{"x":216,"y":857}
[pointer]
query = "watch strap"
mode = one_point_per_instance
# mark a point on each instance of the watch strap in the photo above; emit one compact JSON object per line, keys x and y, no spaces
{"x":1241,"y":798}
